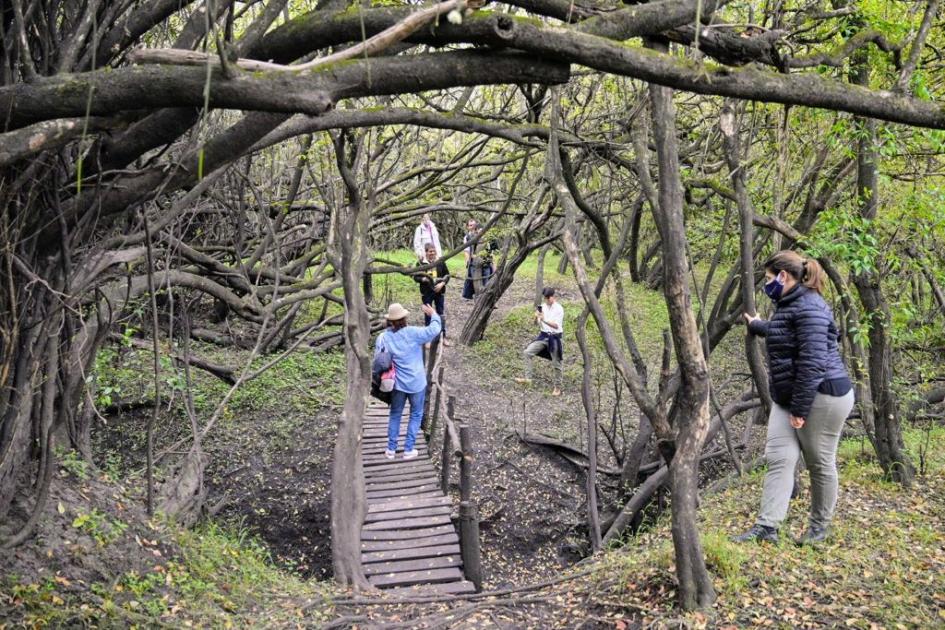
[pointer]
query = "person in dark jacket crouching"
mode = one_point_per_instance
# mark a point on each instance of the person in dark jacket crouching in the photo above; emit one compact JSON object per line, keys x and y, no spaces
{"x":811,"y":395}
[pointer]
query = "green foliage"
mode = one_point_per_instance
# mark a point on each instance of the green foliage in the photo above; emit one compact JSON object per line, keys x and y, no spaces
{"x":221,"y":578}
{"x":846,"y":238}
{"x":73,"y":463}
{"x":301,"y":380}
{"x":99,"y":526}
{"x":724,"y":559}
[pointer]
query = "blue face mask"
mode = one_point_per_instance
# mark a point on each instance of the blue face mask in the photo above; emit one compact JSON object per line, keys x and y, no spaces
{"x":774,"y":288}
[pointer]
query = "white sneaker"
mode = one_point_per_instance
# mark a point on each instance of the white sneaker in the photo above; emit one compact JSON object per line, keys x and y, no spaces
{"x":389,"y":454}
{"x":411,"y":453}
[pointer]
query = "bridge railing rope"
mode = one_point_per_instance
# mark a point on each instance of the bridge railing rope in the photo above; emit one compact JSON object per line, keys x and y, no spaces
{"x":457,"y":450}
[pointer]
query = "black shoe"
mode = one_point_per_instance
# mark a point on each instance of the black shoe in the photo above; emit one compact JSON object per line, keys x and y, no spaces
{"x":814,"y":534}
{"x":758,"y":533}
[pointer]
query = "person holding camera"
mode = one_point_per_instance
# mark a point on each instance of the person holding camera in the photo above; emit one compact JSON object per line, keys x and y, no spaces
{"x":479,"y":267}
{"x":433,"y":285}
{"x":811,"y":395}
{"x":548,"y":344}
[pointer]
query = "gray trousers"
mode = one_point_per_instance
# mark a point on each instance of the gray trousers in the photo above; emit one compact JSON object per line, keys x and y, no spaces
{"x":533,"y":349}
{"x":818,"y":440}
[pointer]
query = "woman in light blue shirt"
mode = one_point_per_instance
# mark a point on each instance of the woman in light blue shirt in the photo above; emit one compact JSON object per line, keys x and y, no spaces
{"x":405,"y":344}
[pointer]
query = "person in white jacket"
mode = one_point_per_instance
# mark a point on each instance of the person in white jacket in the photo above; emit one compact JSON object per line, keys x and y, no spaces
{"x":425,"y":233}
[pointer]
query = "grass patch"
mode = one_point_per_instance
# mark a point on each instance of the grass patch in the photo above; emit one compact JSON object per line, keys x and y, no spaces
{"x":221,"y":578}
{"x":646,"y":311}
{"x":398,"y":287}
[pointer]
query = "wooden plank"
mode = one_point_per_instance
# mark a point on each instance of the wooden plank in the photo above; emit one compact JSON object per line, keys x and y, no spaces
{"x":409,"y":523}
{"x":380,"y":453}
{"x":402,"y":470}
{"x":411,"y":475}
{"x":403,"y":492}
{"x":463,"y":587}
{"x":409,"y":467}
{"x":407,"y":504}
{"x":368,"y":441}
{"x":380,"y":442}
{"x":402,"y":485}
{"x":407,"y":475}
{"x":410,"y":543}
{"x":382,"y":461}
{"x":407,"y":534}
{"x":399,"y":497}
{"x":397,"y":466}
{"x":407,"y":554}
{"x":379,"y":446}
{"x":437,"y":510}
{"x":399,"y":463}
{"x":432,"y":576}
{"x":409,"y":566}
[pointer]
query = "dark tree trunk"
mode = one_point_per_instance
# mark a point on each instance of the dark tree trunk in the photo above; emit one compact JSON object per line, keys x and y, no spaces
{"x":587,"y":397}
{"x":562,"y":265}
{"x":633,"y":253}
{"x":692,"y":400}
{"x":348,"y":500}
{"x":484,"y":303}
{"x":888,"y":443}
{"x":729,"y":126}
{"x":540,"y":276}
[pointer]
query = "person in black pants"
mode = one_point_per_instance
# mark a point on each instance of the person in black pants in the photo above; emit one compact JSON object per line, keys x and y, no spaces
{"x":433,"y":286}
{"x":479,"y":267}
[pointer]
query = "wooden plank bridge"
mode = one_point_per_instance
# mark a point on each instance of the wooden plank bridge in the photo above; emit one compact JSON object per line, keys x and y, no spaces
{"x":408,"y":540}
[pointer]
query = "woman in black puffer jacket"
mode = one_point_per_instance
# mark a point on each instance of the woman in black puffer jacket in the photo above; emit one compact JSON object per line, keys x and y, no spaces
{"x":811,"y":395}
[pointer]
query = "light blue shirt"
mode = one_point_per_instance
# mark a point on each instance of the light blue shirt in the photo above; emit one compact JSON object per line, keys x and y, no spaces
{"x":406,"y":349}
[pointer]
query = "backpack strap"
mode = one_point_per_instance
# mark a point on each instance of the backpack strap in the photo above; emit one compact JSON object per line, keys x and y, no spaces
{"x":381,"y":341}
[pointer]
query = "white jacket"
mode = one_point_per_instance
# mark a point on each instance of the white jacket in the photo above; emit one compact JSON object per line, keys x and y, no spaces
{"x":423,"y":235}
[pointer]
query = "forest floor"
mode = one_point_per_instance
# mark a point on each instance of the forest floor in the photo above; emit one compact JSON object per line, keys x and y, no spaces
{"x":263,"y":559}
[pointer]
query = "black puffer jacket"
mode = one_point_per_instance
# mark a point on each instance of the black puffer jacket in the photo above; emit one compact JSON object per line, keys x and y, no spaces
{"x":803,"y":349}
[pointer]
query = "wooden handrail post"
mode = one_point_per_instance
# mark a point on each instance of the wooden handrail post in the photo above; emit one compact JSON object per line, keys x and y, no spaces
{"x":469,"y":542}
{"x":468,"y":513}
{"x":430,"y":427}
{"x":445,"y":464}
{"x":432,"y":356}
{"x":465,"y":464}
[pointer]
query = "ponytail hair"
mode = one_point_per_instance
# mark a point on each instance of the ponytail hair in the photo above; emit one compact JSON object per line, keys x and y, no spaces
{"x":806,"y":271}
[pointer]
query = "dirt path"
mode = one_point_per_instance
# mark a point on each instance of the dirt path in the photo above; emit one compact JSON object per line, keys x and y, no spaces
{"x":531,"y":502}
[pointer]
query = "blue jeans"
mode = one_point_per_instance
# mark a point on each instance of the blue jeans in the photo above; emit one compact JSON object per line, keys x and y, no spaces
{"x":398,"y":400}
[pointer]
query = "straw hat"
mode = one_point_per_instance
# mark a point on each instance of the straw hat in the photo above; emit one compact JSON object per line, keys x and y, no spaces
{"x":395,"y":312}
